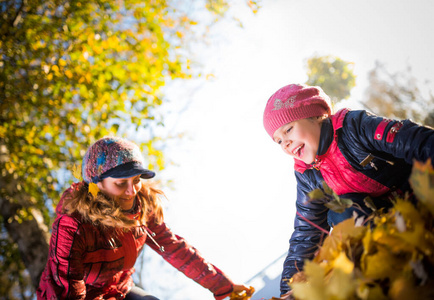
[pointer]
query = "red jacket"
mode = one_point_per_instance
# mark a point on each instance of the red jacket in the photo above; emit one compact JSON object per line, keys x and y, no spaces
{"x":89,"y":262}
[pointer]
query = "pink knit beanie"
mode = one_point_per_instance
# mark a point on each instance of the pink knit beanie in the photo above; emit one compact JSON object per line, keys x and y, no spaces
{"x":294,"y":102}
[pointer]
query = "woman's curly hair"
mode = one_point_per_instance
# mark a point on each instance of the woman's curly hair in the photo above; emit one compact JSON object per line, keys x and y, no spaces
{"x":104,"y":211}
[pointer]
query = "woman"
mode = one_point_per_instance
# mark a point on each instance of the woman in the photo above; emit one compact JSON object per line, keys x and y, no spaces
{"x":102,"y":225}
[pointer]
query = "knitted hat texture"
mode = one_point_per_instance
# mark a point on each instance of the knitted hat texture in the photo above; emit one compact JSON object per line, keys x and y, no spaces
{"x":294,"y":102}
{"x":108,"y":153}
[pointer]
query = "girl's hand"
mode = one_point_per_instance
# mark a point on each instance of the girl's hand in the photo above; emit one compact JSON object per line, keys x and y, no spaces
{"x":287,"y":296}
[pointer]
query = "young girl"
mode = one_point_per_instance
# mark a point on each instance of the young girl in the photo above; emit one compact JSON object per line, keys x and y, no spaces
{"x":99,"y":232}
{"x":356,"y":153}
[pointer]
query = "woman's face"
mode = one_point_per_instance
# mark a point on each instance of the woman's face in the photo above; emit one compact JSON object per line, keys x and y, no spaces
{"x":300,"y":139}
{"x":122,"y":190}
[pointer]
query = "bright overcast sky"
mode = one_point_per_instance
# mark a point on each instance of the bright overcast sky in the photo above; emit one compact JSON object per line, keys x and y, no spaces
{"x":234,"y":197}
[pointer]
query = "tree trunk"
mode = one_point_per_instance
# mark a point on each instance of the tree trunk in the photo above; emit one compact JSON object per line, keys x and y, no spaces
{"x":31,"y":236}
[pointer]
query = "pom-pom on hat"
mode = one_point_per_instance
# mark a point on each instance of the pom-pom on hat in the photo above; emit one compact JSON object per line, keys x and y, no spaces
{"x":113,"y":157}
{"x":294,"y":102}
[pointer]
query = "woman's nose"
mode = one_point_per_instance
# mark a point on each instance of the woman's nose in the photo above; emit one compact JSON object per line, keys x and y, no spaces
{"x":130,"y":190}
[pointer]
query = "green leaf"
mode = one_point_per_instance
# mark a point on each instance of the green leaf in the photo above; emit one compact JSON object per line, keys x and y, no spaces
{"x":316,"y":194}
{"x":339,"y":205}
{"x":370,"y":204}
{"x":326,"y":188}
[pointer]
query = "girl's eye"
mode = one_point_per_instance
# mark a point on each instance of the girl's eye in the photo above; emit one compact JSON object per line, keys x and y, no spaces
{"x":136,"y":180}
{"x":279,"y":142}
{"x":289,"y":129}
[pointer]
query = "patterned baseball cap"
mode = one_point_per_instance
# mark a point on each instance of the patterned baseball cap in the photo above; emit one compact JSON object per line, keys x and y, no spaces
{"x":113,"y":157}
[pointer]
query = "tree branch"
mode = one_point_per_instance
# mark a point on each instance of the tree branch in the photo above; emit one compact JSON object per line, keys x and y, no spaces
{"x":31,"y":236}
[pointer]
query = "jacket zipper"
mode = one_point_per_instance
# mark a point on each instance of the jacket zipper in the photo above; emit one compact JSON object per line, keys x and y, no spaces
{"x":369,"y":160}
{"x":151,"y":235}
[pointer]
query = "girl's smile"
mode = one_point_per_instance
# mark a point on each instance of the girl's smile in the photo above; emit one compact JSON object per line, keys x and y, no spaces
{"x":300,"y":139}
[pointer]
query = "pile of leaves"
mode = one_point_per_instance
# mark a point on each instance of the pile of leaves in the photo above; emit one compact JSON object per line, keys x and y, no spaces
{"x":391,"y":259}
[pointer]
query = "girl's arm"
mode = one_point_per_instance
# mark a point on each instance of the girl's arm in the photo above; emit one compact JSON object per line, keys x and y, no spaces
{"x":189,"y":261}
{"x":306,"y":237}
{"x":401,"y":139}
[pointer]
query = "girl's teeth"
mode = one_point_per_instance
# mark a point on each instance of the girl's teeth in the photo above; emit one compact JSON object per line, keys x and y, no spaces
{"x":296,"y":150}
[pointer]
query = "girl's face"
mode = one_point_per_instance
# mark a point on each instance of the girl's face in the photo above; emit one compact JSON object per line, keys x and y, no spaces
{"x":300,"y":139}
{"x":122,"y":190}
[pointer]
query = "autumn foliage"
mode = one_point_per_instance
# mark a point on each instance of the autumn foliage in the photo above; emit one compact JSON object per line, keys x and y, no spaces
{"x":72,"y":72}
{"x":392,"y":259}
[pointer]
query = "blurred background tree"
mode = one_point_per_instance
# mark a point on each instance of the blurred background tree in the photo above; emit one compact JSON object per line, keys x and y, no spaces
{"x":334,"y":75}
{"x":392,"y":95}
{"x":398,"y":95}
{"x":71,"y":72}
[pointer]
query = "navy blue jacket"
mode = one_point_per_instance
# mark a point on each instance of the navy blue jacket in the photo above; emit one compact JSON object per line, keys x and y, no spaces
{"x":392,"y":145}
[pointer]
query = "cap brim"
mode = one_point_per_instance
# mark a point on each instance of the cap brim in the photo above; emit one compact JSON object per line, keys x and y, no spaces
{"x":144,"y":173}
{"x":148,"y":174}
{"x":129,"y":170}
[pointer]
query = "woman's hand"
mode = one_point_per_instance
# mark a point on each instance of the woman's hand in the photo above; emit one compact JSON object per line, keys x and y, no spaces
{"x":238,"y":288}
{"x":241,"y":292}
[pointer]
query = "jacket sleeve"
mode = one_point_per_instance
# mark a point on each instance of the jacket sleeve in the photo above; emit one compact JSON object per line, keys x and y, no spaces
{"x":306,"y":238}
{"x":189,"y":261}
{"x":66,"y":266}
{"x":401,"y":139}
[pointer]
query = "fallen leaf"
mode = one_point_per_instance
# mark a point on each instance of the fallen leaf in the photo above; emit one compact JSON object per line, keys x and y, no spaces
{"x":93,"y":189}
{"x":316,"y":194}
{"x":76,"y":171}
{"x":422,"y":182}
{"x":243,"y":295}
{"x":339,"y":205}
{"x":332,"y":246}
{"x":370,"y":203}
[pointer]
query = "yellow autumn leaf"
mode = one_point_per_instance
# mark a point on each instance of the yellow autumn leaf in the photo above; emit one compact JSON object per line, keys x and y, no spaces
{"x":368,"y":244}
{"x":419,"y":238}
{"x":422,"y":182}
{"x":243,"y":295}
{"x":382,"y":264}
{"x":93,"y":189}
{"x":88,"y":77}
{"x":408,"y":211}
{"x":402,"y":288}
{"x":76,"y":171}
{"x":346,"y":230}
{"x":340,"y":285}
{"x":343,"y":263}
{"x":179,"y":34}
{"x":370,"y":291}
{"x":315,"y":286}
{"x":394,"y":242}
{"x":62,"y":62}
{"x":68,"y":74}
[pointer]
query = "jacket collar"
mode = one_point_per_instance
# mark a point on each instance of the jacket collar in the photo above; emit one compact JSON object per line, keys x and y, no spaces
{"x":326,"y":137}
{"x":328,"y":128}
